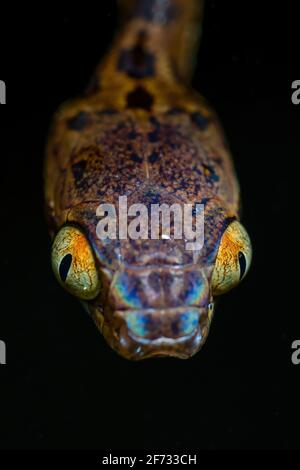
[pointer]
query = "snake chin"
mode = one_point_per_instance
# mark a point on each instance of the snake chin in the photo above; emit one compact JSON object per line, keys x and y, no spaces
{"x":131,"y":347}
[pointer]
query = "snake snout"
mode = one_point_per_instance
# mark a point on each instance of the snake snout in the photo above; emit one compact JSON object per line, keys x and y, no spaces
{"x":171,"y":332}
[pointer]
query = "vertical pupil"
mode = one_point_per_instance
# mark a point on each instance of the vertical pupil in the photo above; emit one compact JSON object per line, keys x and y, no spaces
{"x":65,"y":266}
{"x":243,"y":264}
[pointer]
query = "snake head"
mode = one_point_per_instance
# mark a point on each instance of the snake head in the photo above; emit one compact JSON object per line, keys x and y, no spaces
{"x":159,"y":307}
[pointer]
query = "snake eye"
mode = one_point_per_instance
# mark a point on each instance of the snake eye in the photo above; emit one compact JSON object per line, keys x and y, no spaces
{"x":233,"y":259}
{"x":73,"y":263}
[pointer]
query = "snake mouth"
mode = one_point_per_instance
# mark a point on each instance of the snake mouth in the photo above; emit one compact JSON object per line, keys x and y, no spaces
{"x":176,"y":332}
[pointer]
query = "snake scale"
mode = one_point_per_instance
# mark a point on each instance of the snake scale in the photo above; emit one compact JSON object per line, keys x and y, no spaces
{"x":140,"y":131}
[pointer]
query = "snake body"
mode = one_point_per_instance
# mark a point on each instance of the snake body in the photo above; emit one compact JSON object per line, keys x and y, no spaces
{"x":140,"y":131}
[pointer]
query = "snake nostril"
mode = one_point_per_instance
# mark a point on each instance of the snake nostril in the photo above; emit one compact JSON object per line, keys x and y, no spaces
{"x":175,"y":326}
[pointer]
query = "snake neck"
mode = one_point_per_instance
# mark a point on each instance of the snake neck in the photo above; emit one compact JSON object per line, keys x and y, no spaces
{"x":156,"y":41}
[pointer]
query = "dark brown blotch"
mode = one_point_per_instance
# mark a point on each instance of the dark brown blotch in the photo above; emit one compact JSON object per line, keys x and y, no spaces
{"x":137,"y":62}
{"x":154,"y":121}
{"x":135,"y":158}
{"x":200,"y":120}
{"x":153,"y":157}
{"x":140,"y":98}
{"x":132,"y":135}
{"x":78,"y":169}
{"x":153,"y":136}
{"x":79,"y":122}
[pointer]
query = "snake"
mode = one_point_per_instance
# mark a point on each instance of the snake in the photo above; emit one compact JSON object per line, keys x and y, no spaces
{"x":139,"y":130}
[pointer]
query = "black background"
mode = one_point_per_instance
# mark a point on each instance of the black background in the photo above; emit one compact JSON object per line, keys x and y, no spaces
{"x":62,"y":386}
